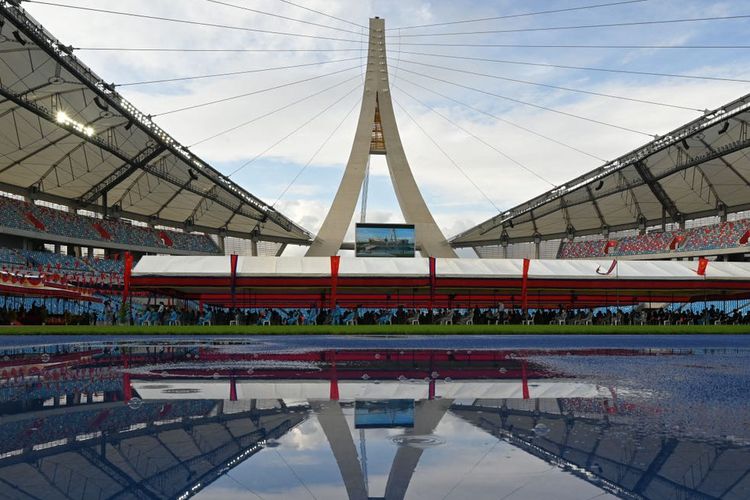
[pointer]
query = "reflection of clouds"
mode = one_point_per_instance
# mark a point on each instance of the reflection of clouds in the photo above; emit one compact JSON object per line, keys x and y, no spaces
{"x":306,"y":436}
{"x":235,"y":491}
{"x":472,"y":465}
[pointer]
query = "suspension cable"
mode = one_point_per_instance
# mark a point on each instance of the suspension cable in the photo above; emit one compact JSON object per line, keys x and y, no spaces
{"x":323,"y":14}
{"x":556,"y":87}
{"x":503,"y":120}
{"x":524,"y":14}
{"x":572,"y":46}
{"x":583,"y":68}
{"x":272,"y":112}
{"x":580,"y":26}
{"x":450,"y":159}
{"x":310,"y":23}
{"x":180,"y":49}
{"x":479,"y":139}
{"x":315,"y":154}
{"x":187,"y":21}
{"x":538,"y":106}
{"x":233,"y":73}
{"x":259,"y":155}
{"x":254,"y":92}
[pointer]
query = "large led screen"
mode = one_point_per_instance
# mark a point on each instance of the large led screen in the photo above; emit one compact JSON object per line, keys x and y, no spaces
{"x":384,"y":414}
{"x":384,"y":240}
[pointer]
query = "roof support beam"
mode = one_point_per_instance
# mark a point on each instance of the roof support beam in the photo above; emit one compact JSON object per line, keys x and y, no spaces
{"x":172,"y":198}
{"x":123,"y":479}
{"x":123,"y":172}
{"x":35,"y":152}
{"x":199,"y":207}
{"x":727,"y":164}
{"x":658,"y":191}
{"x":161,"y":173}
{"x":595,"y":204}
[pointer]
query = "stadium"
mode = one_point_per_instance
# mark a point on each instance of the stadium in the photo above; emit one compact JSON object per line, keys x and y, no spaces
{"x":108,"y":219}
{"x":205,"y":292}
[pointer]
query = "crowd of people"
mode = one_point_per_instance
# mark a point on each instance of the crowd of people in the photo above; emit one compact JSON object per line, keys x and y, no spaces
{"x":17,"y":214}
{"x":105,"y":310}
{"x":162,"y":314}
{"x":733,"y":234}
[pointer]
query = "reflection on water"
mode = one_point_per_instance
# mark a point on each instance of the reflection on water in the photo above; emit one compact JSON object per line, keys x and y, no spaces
{"x":228,"y":420}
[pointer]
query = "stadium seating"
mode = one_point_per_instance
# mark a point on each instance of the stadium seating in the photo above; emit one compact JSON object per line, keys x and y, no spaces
{"x":698,"y":239}
{"x":18,"y":214}
{"x":107,"y":272}
{"x":726,"y":235}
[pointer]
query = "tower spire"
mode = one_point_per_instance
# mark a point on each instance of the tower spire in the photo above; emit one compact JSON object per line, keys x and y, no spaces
{"x":377,"y":133}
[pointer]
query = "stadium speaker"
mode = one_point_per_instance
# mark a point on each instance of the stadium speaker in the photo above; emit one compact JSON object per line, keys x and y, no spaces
{"x":510,"y":223}
{"x":19,"y":38}
{"x":599,"y":186}
{"x":129,"y":125}
{"x":724,"y":127}
{"x":192,"y":174}
{"x":685,"y":144}
{"x":101,"y":105}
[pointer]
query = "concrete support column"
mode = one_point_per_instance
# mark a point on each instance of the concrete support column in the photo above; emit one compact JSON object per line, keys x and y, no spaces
{"x":376,"y":115}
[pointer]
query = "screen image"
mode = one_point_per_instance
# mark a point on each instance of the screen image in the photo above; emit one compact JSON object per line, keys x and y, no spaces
{"x":384,"y":414}
{"x":384,"y":240}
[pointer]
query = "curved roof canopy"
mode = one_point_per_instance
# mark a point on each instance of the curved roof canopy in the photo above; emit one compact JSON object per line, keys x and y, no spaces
{"x":67,"y":136}
{"x":700,"y":169}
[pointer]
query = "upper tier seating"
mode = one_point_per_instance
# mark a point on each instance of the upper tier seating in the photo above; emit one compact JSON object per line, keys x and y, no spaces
{"x":17,"y":214}
{"x":699,"y":239}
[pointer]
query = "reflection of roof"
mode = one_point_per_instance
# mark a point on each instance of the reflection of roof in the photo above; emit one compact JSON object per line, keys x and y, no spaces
{"x":700,"y":169}
{"x":156,"y":456}
{"x":652,"y":466}
{"x":72,"y":139}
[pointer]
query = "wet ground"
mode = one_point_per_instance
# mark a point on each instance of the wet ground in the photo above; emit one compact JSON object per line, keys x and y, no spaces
{"x":563,"y":417}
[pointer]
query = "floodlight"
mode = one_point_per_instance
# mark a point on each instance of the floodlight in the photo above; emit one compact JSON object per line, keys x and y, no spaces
{"x":63,"y":119}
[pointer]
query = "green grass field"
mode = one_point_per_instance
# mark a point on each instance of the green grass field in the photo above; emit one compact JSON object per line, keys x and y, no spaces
{"x":376,"y":330}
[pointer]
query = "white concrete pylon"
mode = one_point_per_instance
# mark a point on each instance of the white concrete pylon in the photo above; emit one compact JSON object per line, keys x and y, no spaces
{"x":377,"y":133}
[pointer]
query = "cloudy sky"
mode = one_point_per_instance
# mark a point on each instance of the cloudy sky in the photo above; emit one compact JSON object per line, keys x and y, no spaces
{"x":477,"y":142}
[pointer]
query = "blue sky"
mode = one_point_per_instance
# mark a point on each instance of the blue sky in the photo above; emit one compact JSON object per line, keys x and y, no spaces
{"x":485,"y":180}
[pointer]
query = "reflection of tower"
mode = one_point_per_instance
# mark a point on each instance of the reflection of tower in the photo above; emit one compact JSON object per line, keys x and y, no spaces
{"x":377,"y":134}
{"x":427,"y":415}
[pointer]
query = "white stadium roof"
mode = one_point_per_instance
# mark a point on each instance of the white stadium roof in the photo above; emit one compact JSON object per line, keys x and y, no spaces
{"x":700,"y":169}
{"x":68,"y":137}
